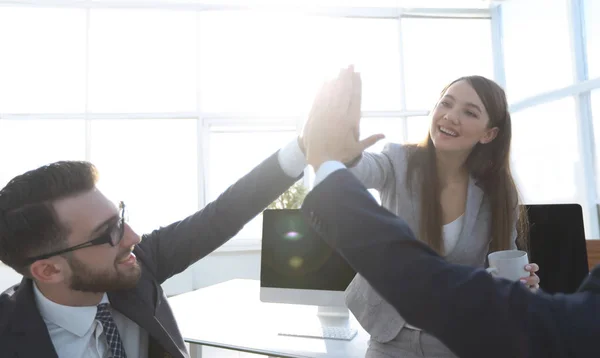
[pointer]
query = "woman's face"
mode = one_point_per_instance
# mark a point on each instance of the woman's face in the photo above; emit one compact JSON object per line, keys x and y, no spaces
{"x":459,"y":120}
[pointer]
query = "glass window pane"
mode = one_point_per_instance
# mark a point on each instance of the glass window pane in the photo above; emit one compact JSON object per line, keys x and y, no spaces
{"x":390,"y":127}
{"x":438,"y":51}
{"x":142,"y":60}
{"x":42,"y":66}
{"x":29,"y":144}
{"x":233,"y":152}
{"x":152,"y":165}
{"x":418,"y":128}
{"x":250,"y":67}
{"x":592,"y":21}
{"x":539,"y":59}
{"x":595,"y":96}
{"x":545,"y":153}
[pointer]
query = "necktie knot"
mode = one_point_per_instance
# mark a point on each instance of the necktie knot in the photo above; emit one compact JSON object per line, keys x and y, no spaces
{"x":110,"y":330}
{"x":103,"y":313}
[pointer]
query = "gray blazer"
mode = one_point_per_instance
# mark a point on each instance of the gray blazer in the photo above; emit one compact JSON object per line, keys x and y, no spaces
{"x":386,"y":172}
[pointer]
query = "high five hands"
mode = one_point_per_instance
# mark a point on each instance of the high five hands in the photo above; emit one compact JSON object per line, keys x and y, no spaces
{"x":332,"y":131}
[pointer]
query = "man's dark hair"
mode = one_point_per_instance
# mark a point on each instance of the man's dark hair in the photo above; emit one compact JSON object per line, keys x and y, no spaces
{"x":29,"y":225}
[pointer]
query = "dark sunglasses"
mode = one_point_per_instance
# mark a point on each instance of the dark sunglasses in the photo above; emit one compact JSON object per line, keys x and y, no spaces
{"x":112,"y":237}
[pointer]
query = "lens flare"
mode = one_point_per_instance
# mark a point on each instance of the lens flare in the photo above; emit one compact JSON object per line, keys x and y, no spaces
{"x":296,"y":262}
{"x":292,"y":235}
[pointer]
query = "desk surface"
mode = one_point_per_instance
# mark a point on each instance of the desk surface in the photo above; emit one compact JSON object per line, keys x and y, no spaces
{"x":230,"y":315}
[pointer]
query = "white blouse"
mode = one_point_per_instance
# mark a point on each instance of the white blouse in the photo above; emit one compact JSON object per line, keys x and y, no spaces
{"x":451,"y":234}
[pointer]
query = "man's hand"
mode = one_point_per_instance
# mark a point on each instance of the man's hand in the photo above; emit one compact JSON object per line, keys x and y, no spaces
{"x":332,"y":131}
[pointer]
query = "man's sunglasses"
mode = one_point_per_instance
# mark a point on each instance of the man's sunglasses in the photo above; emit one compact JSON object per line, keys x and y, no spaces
{"x":112,"y":237}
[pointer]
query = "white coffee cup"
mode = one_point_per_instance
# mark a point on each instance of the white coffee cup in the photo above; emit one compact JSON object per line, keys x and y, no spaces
{"x":508,"y":264}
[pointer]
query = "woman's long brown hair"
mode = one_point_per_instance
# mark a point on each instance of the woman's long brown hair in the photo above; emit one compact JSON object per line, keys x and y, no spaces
{"x":488,"y":164}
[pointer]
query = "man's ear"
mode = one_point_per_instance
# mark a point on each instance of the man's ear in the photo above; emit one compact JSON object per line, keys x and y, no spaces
{"x":490,"y":135}
{"x":47,"y":271}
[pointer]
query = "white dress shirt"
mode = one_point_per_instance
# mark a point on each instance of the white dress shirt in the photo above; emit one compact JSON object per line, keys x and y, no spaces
{"x":75,"y":332}
{"x":291,"y":159}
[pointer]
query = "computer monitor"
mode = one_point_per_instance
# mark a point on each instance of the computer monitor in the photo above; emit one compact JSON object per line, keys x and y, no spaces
{"x":557,"y":244}
{"x":298,"y":267}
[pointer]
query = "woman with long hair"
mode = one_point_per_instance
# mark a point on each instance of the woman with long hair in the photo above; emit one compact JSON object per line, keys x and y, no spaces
{"x":456,"y":192}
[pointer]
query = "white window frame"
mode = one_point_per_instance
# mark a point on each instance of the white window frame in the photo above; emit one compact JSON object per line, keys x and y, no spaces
{"x":580,"y":90}
{"x":204,"y":119}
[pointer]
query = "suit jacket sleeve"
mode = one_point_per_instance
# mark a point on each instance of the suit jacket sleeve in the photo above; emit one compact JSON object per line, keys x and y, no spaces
{"x":171,"y":249}
{"x":472,"y":313}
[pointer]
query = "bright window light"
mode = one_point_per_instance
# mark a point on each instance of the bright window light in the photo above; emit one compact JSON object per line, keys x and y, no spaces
{"x":42,"y":65}
{"x":266,"y":62}
{"x":437,"y":51}
{"x":595,"y":96}
{"x":149,"y":164}
{"x":31,"y":143}
{"x":142,"y":61}
{"x":592,"y":16}
{"x":234,"y":151}
{"x":545,"y":154}
{"x":538,"y":59}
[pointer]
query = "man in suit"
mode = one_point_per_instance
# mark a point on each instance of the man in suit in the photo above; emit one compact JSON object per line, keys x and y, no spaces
{"x":471,"y":312}
{"x":91,"y":285}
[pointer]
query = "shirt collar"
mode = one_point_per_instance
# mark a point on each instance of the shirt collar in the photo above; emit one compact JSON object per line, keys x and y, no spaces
{"x":77,"y":320}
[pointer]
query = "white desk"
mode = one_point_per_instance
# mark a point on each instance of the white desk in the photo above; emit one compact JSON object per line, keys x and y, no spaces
{"x":230,"y":315}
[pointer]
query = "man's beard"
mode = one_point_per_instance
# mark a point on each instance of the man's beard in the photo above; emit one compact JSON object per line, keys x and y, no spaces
{"x":86,"y":279}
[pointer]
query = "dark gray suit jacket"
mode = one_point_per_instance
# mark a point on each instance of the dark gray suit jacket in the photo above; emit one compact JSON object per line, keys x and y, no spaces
{"x":162,"y":254}
{"x":472,"y":313}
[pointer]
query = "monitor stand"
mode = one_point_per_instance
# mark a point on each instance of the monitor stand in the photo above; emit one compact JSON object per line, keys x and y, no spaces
{"x":328,"y":311}
{"x":334,"y":323}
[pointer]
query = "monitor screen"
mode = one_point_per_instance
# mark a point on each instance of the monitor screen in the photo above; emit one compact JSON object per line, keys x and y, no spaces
{"x":295,"y":257}
{"x":557,"y":244}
